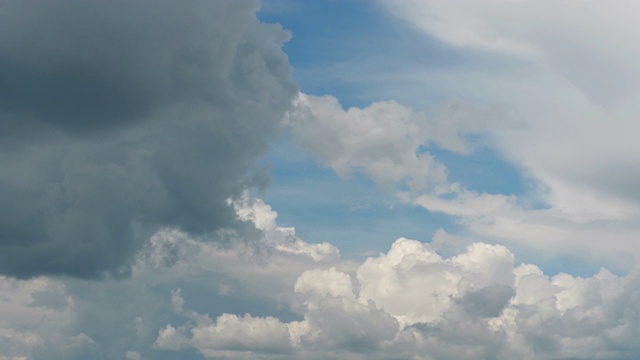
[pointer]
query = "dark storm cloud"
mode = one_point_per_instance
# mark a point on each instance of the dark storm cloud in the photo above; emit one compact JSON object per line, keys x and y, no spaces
{"x":120,"y":117}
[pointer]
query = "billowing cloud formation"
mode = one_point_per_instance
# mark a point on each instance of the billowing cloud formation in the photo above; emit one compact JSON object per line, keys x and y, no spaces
{"x":391,"y":143}
{"x":255,"y":301}
{"x":412,"y":303}
{"x":386,"y":140}
{"x":120,"y":117}
{"x":473,"y":311}
{"x":68,"y":318}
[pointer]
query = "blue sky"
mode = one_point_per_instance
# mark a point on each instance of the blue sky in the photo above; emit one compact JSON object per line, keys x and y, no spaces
{"x":332,"y":37}
{"x":330,"y":179}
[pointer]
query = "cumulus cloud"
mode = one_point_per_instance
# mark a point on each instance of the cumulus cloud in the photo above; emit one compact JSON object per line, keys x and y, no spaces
{"x":386,"y":141}
{"x":118,"y":118}
{"x":416,"y":285}
{"x":413,"y":303}
{"x":325,"y":282}
{"x":391,"y":143}
{"x":409,"y":302}
{"x":284,"y":239}
{"x":228,"y":334}
{"x":69,"y":318}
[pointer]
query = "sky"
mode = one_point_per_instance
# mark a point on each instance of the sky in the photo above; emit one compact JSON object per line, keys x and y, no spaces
{"x":330,"y":179}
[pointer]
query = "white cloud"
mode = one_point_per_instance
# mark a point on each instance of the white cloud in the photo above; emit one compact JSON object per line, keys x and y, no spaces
{"x":386,"y":140}
{"x":381,"y":141}
{"x":574,"y":88}
{"x":284,"y":239}
{"x":325,"y":282}
{"x":412,"y":302}
{"x":339,"y":323}
{"x":228,"y":333}
{"x":416,"y":285}
{"x":231,"y":332}
{"x":554,"y":230}
{"x":409,"y":302}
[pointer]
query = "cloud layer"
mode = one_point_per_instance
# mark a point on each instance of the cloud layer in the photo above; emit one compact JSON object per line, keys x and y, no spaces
{"x":412,"y":303}
{"x":407,"y":303}
{"x":122,"y":117}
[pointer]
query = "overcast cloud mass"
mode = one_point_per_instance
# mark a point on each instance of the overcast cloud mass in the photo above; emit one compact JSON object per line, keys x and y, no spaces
{"x":119,"y":118}
{"x":143,"y":145}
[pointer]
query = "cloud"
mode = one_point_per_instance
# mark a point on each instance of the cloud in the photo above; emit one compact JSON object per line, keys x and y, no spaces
{"x":67,"y":318}
{"x":325,"y":282}
{"x":284,"y":239}
{"x":409,"y":302}
{"x":577,"y":140}
{"x":157,"y":155}
{"x":386,"y":140}
{"x":412,"y":303}
{"x":416,"y":285}
{"x":120,"y":118}
{"x":37,"y":317}
{"x":552,"y":229}
{"x":595,"y":36}
{"x":394,"y":145}
{"x":228,"y":334}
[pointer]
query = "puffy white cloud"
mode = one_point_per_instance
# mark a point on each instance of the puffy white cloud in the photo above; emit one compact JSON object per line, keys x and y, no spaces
{"x":231,"y":332}
{"x":284,"y":239}
{"x":409,"y":302}
{"x":497,"y":309}
{"x":416,"y":285}
{"x":228,"y":333}
{"x":386,"y":140}
{"x":325,"y":282}
{"x":381,"y":141}
{"x":413,"y":303}
{"x":340,"y":323}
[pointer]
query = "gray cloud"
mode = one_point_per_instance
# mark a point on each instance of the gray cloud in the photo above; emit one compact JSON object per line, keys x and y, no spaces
{"x":488,"y":301}
{"x":120,"y":117}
